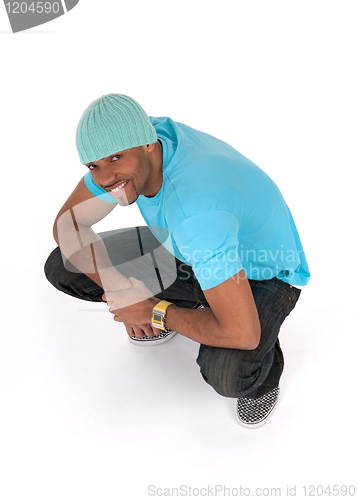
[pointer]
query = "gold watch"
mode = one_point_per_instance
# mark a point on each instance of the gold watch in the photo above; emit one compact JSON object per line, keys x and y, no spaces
{"x":159,"y":313}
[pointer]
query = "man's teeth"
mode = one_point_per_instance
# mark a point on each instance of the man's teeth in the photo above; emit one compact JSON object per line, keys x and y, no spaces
{"x":119,"y":187}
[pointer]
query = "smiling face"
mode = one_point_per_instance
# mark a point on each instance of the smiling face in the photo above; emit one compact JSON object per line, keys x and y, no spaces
{"x":130,"y":173}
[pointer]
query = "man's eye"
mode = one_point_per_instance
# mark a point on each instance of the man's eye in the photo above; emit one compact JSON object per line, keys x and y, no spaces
{"x":116,"y":156}
{"x":91,"y":167}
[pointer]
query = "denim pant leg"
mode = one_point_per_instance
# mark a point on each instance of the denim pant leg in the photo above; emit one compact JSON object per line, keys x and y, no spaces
{"x":252,"y":373}
{"x":134,"y":252}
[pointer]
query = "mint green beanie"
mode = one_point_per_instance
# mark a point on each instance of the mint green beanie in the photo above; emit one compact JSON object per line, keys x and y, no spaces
{"x":112,"y":123}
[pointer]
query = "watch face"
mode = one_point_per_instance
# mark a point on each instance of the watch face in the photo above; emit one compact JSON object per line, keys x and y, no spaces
{"x":157,"y":318}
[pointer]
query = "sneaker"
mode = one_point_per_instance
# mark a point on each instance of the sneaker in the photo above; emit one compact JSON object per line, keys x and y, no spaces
{"x":164,"y":336}
{"x":253,"y":413}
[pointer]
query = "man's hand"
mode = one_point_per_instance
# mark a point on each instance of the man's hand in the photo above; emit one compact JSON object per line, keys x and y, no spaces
{"x":132,"y":306}
{"x":139,"y":331}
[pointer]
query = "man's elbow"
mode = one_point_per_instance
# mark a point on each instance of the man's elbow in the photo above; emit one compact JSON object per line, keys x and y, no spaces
{"x":253,"y":342}
{"x":55,"y":232}
{"x":249,"y":341}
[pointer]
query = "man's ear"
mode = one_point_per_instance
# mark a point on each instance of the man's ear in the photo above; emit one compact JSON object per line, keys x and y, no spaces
{"x":151,"y":147}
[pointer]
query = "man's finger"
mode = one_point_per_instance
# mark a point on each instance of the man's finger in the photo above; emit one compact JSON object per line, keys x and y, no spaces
{"x":139,"y":334}
{"x":129,"y":330}
{"x":148,"y":330}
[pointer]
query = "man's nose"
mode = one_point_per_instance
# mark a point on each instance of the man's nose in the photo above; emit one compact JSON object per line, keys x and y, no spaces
{"x":107,"y":177}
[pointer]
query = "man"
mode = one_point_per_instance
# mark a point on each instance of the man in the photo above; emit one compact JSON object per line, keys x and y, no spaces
{"x":220,"y":260}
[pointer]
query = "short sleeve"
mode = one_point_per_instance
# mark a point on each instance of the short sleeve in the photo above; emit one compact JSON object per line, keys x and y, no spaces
{"x":96,"y":190}
{"x":208,"y":243}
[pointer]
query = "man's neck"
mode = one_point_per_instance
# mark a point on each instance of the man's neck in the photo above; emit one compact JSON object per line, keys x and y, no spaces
{"x":156,"y":162}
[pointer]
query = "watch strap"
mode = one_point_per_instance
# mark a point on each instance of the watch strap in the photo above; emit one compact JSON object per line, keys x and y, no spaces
{"x":159,"y":313}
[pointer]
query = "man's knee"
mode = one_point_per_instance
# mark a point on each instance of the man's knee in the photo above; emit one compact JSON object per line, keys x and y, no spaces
{"x":53,"y":266}
{"x":68,"y":279}
{"x":227,"y":371}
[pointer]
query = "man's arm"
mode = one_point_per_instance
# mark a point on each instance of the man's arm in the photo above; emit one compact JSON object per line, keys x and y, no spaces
{"x":80,"y":244}
{"x":232,"y":320}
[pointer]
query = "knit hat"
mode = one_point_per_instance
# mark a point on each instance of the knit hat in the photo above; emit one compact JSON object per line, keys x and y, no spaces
{"x":112,"y":123}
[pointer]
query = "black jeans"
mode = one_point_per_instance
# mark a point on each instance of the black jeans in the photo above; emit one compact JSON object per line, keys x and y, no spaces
{"x":231,"y":372}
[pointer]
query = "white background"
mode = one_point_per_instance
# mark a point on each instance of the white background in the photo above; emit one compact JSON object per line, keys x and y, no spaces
{"x":86,"y":415}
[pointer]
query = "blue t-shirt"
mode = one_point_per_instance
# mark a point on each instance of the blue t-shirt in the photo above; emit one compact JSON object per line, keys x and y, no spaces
{"x":222,"y":212}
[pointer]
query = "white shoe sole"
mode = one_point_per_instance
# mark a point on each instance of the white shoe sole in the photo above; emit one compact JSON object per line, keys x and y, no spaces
{"x":151,"y":341}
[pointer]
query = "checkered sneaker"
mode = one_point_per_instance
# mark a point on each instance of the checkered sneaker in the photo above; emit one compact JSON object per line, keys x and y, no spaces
{"x":252,"y":413}
{"x":164,"y":336}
